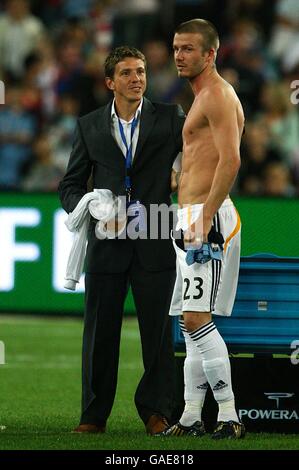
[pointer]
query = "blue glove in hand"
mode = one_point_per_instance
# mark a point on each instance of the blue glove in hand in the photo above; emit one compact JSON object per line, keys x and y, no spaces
{"x":203,"y":254}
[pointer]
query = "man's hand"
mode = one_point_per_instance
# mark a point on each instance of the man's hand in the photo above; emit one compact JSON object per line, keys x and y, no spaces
{"x":198,"y":232}
{"x":206,"y":227}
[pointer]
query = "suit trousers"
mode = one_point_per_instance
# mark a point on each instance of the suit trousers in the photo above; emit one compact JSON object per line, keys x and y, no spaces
{"x":104,"y":304}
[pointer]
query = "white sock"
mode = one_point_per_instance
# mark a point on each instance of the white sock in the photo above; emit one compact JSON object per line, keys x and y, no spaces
{"x":192,"y":412}
{"x":195,"y":380}
{"x":216,"y":366}
{"x":227,"y":410}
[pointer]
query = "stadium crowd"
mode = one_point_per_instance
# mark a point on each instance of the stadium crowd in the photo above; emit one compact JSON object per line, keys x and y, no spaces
{"x":51,"y":63}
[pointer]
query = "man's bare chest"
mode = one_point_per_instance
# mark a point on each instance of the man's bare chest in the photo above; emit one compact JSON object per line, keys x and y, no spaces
{"x":195,"y":126}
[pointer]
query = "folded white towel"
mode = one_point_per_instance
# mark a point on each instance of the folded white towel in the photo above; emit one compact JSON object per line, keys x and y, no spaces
{"x":77,"y":217}
{"x":103,"y":205}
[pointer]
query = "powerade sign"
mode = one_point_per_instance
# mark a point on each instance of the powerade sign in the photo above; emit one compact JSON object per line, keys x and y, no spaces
{"x":278,"y":413}
{"x":267,"y":393}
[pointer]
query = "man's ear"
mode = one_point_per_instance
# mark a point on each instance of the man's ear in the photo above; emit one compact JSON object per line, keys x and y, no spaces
{"x":212,"y":54}
{"x":110,"y":83}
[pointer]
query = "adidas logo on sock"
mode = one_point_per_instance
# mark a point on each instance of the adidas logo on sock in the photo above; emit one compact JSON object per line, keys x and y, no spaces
{"x":220,"y":385}
{"x":203,"y":386}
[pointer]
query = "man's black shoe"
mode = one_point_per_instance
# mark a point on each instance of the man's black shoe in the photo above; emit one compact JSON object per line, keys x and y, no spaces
{"x":229,"y":430}
{"x":196,"y":430}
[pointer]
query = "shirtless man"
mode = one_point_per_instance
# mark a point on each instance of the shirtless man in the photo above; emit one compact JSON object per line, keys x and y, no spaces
{"x":206,"y":281}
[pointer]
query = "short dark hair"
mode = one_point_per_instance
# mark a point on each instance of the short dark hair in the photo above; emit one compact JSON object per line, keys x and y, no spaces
{"x":205,"y":28}
{"x":119,"y":54}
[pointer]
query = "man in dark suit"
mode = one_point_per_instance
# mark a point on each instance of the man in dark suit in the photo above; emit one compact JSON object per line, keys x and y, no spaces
{"x":129,"y":147}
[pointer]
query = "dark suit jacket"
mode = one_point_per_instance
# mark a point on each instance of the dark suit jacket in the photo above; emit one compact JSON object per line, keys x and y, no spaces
{"x":95,"y":151}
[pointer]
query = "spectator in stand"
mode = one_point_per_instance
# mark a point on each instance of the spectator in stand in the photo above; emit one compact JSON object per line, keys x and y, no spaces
{"x":61,"y":132}
{"x":282,"y":118}
{"x":258,"y":11}
{"x":277,"y":181}
{"x":17,"y":128}
{"x":44,"y":175}
{"x":284,"y":44}
{"x":77,"y":8}
{"x":161,"y":75}
{"x":74,"y":77}
{"x":31,"y":98}
{"x":70,"y":66}
{"x":135,"y":22}
{"x":20,"y":33}
{"x":46,"y":78}
{"x":242,"y":51}
{"x":101,"y":25}
{"x":256,"y":153}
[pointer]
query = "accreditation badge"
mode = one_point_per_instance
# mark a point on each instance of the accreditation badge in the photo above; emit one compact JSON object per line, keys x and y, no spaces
{"x":136,"y":217}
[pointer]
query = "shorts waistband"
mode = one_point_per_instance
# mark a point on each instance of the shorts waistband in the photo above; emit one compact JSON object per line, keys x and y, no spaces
{"x":197,"y":207}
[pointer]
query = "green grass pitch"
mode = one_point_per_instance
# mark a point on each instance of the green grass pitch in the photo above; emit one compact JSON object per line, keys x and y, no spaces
{"x":40,"y":394}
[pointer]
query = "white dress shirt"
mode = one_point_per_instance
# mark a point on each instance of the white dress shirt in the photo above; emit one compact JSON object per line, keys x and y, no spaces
{"x":127,"y":129}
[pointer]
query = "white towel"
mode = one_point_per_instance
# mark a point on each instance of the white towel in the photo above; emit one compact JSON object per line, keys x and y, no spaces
{"x":103,"y":205}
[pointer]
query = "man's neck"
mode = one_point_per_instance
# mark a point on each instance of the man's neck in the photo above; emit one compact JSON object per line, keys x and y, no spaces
{"x":126,"y":110}
{"x":199,"y":82}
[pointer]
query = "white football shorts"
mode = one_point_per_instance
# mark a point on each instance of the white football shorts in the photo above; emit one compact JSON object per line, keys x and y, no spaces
{"x":209,"y":287}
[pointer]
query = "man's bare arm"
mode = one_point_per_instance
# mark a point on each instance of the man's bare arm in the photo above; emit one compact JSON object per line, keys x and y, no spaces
{"x":176,"y":172}
{"x":175,"y":177}
{"x":220,"y":108}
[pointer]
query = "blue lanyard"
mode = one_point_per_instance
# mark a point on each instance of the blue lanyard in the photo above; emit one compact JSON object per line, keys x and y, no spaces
{"x":129,"y":152}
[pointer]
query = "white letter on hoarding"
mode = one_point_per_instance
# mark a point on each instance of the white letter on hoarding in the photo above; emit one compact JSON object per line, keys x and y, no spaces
{"x":62,"y":244}
{"x":2,"y":353}
{"x":10,"y":251}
